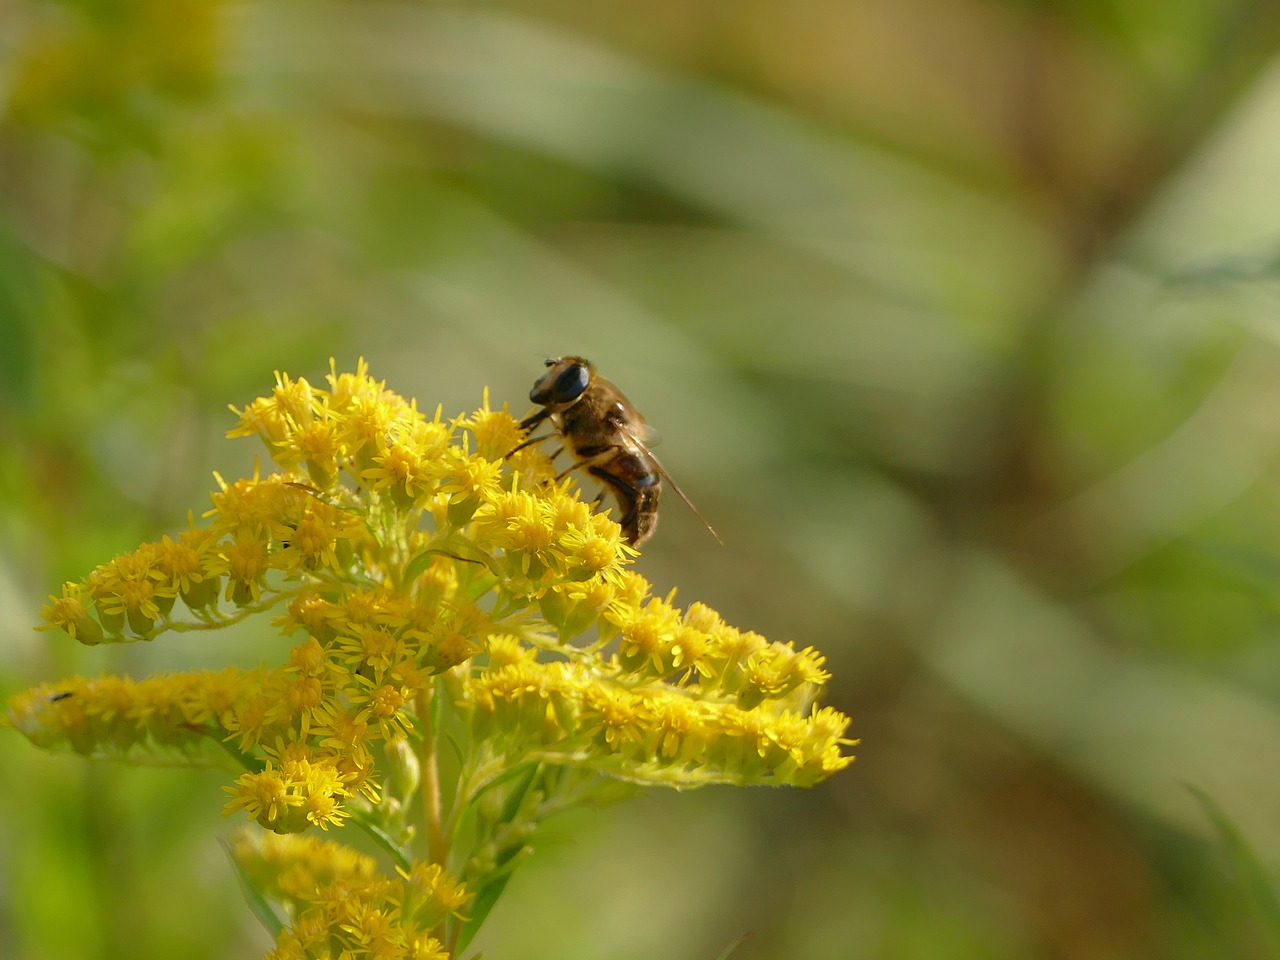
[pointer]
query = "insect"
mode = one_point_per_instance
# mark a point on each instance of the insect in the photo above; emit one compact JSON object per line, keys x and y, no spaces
{"x":605,"y":435}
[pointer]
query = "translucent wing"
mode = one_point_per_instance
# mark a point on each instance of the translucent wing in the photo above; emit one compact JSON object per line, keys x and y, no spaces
{"x":640,"y":443}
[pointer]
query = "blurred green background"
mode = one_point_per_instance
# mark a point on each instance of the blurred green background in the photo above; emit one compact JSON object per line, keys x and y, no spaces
{"x":960,"y":320}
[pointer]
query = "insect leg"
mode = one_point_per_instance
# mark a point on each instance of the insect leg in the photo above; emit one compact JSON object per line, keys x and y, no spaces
{"x":530,"y":442}
{"x":531,"y":421}
{"x":527,"y":426}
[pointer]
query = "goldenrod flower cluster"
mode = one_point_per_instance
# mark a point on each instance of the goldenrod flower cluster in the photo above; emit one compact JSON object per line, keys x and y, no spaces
{"x":336,"y":903}
{"x":440,"y":589}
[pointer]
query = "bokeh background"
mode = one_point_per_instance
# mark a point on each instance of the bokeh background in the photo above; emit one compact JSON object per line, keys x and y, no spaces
{"x":960,"y":319}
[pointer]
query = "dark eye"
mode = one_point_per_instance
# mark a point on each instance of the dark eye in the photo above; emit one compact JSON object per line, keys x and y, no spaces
{"x":570,"y":384}
{"x":563,"y":384}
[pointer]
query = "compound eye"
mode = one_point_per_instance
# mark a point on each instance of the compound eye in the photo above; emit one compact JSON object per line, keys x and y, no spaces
{"x":570,"y":384}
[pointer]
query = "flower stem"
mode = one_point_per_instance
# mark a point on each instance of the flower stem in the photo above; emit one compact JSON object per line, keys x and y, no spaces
{"x":437,"y":845}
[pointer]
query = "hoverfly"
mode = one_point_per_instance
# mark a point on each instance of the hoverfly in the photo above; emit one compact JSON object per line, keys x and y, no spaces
{"x":605,"y":435}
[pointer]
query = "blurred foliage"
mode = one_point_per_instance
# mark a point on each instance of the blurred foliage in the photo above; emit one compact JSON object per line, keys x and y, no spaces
{"x":958,"y":319}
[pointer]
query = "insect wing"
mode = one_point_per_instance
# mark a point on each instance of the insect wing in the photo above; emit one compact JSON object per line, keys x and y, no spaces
{"x":648,"y":455}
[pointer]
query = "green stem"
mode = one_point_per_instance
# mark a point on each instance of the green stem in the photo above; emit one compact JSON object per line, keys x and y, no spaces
{"x":218,"y":621}
{"x":428,"y":763}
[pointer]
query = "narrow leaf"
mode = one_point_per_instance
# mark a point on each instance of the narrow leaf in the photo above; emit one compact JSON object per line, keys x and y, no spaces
{"x":258,"y":903}
{"x":1247,"y":869}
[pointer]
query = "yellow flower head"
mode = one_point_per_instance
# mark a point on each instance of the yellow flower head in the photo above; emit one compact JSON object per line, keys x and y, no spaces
{"x":453,"y":610}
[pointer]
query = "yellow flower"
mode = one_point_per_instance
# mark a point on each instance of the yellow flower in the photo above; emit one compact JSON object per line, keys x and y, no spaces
{"x":263,"y":418}
{"x":341,"y":904}
{"x":370,"y":648}
{"x":576,"y":606}
{"x":429,"y":894}
{"x":301,"y":791}
{"x":777,"y":669}
{"x":614,"y":718}
{"x":247,"y":558}
{"x":467,"y":480}
{"x":264,"y":796}
{"x":454,"y":610}
{"x":400,"y":470}
{"x":314,"y":538}
{"x":496,"y":432}
{"x":181,"y":563}
{"x":313,"y":615}
{"x":70,"y":613}
{"x":645,"y":644}
{"x":383,"y":704}
{"x":320,"y":449}
{"x":674,"y":733}
{"x":294,"y":399}
{"x":346,"y":731}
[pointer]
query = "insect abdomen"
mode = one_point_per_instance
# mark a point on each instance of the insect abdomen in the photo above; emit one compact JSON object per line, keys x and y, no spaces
{"x":637,"y":488}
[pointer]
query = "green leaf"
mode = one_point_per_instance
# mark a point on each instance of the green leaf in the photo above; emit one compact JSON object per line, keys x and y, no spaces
{"x":487,"y":893}
{"x":366,"y":822}
{"x":455,"y":548}
{"x":522,"y":769}
{"x":258,"y":903}
{"x":250,"y":763}
{"x":1247,"y":869}
{"x":517,"y":795}
{"x":733,"y":945}
{"x":455,"y":745}
{"x":484,"y":902}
